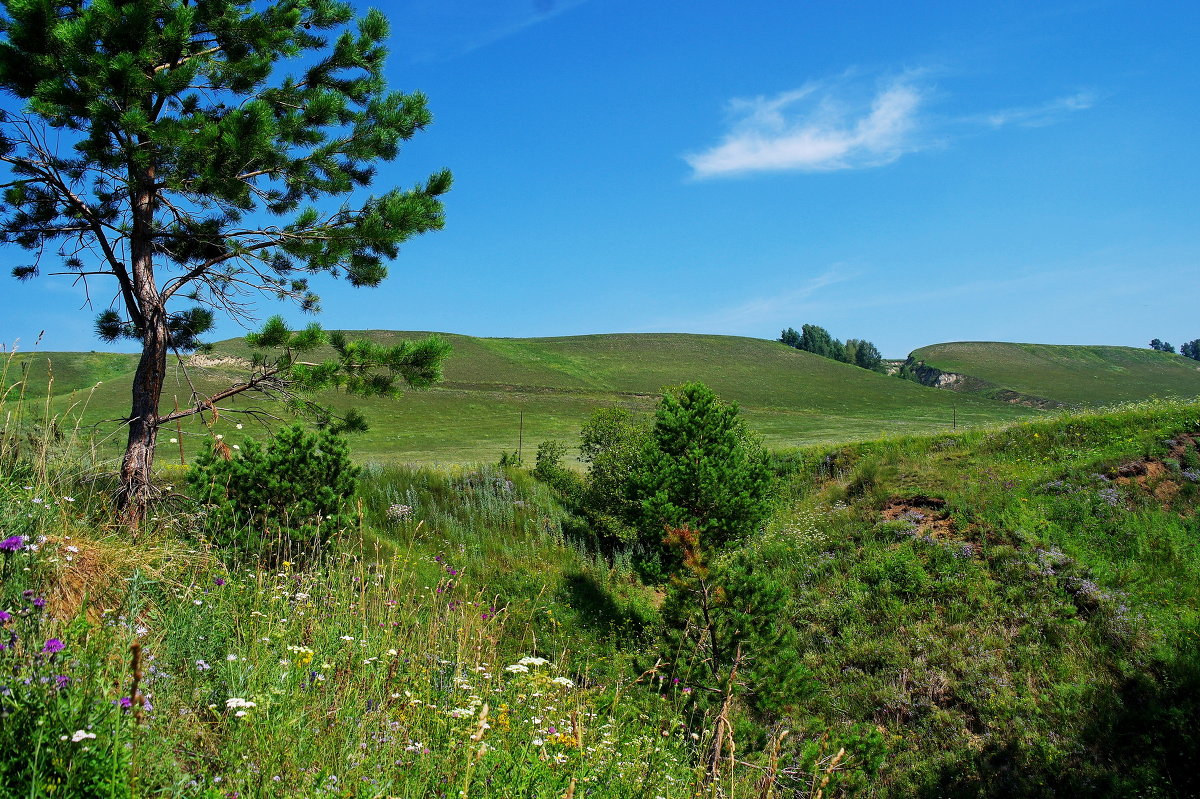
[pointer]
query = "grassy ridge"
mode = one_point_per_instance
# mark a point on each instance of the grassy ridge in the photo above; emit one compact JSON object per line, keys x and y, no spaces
{"x":1074,"y":375}
{"x":1017,"y":610}
{"x":791,"y":397}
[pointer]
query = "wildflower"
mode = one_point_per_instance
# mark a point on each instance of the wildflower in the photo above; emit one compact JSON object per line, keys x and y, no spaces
{"x":347,"y":637}
{"x":125,"y":702}
{"x":220,"y":437}
{"x":72,"y":548}
{"x":62,"y":681}
{"x":237,"y":702}
{"x":231,"y":657}
{"x":218,"y":582}
{"x":54,"y":645}
{"x":69,"y":499}
{"x":517,"y":668}
{"x":202,"y":666}
{"x":532,"y":661}
{"x":39,"y":602}
{"x":563,"y":681}
{"x":5,"y":616}
{"x":239,"y":425}
{"x":174,"y":440}
{"x":13,"y":543}
{"x":81,"y":735}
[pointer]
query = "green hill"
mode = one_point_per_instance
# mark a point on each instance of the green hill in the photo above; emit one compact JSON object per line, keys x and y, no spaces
{"x":1051,"y":375}
{"x":791,"y":397}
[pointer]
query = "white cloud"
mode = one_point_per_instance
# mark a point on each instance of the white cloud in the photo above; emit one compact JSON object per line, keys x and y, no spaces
{"x":816,"y":128}
{"x":839,"y":124}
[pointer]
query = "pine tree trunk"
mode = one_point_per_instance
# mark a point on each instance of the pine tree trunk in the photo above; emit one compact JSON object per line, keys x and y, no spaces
{"x":136,"y":489}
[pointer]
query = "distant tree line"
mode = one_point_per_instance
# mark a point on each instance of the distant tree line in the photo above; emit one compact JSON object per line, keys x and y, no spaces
{"x":816,"y":339}
{"x":1189,"y":349}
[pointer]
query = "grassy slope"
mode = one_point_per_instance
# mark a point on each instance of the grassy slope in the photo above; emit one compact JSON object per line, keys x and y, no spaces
{"x":1042,"y":642}
{"x":791,"y":397}
{"x":1076,"y":375}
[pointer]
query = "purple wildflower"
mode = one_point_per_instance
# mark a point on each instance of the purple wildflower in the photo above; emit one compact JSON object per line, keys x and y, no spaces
{"x":125,"y":702}
{"x":39,"y":602}
{"x":5,"y":616}
{"x":219,"y":582}
{"x":62,"y":681}
{"x":54,"y":645}
{"x":14,"y":543}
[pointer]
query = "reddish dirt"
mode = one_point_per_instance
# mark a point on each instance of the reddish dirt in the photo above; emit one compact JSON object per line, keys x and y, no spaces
{"x":927,"y":513}
{"x":1150,"y":474}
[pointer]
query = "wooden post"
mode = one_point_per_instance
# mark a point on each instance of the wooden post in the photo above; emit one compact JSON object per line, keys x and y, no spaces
{"x":521,"y":439}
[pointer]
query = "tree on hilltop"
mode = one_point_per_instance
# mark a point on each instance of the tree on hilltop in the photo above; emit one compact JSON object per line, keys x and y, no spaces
{"x":790,"y":337}
{"x":157,"y":149}
{"x":1191,"y":349}
{"x":1160,"y":346}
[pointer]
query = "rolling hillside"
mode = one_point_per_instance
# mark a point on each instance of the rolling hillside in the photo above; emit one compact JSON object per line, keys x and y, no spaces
{"x":1060,"y":374}
{"x":791,"y":397}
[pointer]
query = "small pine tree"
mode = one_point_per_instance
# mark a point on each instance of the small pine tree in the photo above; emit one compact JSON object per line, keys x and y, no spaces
{"x":271,"y":500}
{"x":701,"y":469}
{"x":726,"y":638}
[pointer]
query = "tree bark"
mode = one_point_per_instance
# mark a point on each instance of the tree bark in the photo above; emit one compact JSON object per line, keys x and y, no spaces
{"x":136,"y":487}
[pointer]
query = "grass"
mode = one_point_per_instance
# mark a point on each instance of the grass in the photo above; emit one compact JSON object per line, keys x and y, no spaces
{"x":1017,"y":617}
{"x":1073,"y":375}
{"x":503,"y":394}
{"x":1011,"y":611}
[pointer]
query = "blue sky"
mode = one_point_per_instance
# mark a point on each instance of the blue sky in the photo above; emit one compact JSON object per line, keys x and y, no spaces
{"x":909,"y":173}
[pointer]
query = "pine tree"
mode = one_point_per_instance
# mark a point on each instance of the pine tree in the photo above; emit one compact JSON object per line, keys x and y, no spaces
{"x":790,"y":337}
{"x":159,"y":153}
{"x":702,"y":470}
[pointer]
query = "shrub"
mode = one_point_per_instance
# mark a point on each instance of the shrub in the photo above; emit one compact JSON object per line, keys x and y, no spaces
{"x":276,"y":500}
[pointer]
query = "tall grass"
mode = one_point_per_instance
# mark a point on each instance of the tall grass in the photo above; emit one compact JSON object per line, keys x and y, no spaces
{"x":431,"y":653}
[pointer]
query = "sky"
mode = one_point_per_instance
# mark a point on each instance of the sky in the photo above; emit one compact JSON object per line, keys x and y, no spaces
{"x":906,"y":173}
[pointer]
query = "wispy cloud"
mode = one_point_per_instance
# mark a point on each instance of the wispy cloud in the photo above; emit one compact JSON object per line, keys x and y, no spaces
{"x":436,"y":30}
{"x":1036,"y":116}
{"x":841,"y":123}
{"x":748,"y":316}
{"x":815,"y":128}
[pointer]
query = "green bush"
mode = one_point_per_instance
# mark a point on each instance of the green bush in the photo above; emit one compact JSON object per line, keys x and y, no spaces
{"x":277,"y":501}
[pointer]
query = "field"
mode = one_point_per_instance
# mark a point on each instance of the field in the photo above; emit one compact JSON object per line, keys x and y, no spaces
{"x":1084,"y":376}
{"x":1009,"y":611}
{"x":792,"y":398}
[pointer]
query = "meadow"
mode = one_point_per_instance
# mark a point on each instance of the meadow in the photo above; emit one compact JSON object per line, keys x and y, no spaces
{"x":1079,"y":376}
{"x":1011,"y":610}
{"x":499,"y":395}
